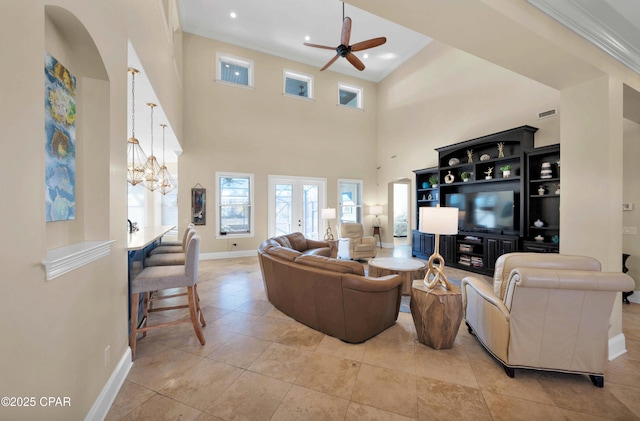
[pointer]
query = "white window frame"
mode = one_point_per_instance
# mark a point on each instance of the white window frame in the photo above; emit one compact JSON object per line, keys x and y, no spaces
{"x":251,"y":233}
{"x":359,"y":207}
{"x":359,"y":91}
{"x":303,"y":77}
{"x":240,"y":61}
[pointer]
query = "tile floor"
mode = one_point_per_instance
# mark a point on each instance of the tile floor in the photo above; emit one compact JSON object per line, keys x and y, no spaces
{"x":259,"y":364}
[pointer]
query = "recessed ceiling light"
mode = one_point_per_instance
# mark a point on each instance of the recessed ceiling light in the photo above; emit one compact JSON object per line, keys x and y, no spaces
{"x":307,"y":37}
{"x":233,"y":15}
{"x":365,"y":55}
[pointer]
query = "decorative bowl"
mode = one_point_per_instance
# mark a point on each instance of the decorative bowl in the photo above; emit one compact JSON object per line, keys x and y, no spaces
{"x":485,"y":157}
{"x":454,"y":161}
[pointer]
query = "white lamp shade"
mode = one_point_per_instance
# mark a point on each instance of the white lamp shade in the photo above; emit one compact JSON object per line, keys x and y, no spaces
{"x":375,"y":210}
{"x":436,"y":220}
{"x":329,"y":213}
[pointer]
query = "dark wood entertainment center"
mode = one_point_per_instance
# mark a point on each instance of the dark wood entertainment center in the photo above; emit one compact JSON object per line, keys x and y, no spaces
{"x":532,"y":224}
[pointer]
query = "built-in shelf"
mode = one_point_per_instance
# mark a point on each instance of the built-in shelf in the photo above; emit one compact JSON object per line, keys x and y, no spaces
{"x":65,"y":259}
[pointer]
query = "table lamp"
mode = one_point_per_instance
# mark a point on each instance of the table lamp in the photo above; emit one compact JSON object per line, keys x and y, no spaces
{"x":376,"y":210}
{"x":328,"y":214}
{"x":437,"y":220}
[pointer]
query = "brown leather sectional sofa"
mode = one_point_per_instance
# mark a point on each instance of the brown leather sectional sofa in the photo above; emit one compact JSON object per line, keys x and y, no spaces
{"x":330,"y":295}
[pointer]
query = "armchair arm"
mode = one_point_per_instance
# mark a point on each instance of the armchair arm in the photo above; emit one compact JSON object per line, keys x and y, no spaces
{"x":369,"y":241}
{"x":485,"y":313}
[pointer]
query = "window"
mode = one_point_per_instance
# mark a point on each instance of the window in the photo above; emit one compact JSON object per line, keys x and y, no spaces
{"x":169,"y":206}
{"x":298,"y":84}
{"x":235,"y":70}
{"x":235,"y":205}
{"x":137,"y":204}
{"x":350,"y":200}
{"x":350,"y":96}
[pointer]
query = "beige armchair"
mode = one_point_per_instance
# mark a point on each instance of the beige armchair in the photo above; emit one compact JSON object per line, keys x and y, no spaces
{"x":545,"y":312}
{"x":352,"y":243}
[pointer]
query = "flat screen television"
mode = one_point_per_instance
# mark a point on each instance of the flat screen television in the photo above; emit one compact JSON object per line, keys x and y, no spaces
{"x":484,"y":211}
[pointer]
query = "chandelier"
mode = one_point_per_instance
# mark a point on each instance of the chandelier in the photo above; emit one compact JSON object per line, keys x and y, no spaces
{"x":136,"y":159}
{"x":167,"y":184}
{"x":151,"y":179}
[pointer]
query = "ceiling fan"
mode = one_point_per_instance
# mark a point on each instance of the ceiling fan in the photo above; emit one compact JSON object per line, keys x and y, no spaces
{"x":344,"y":49}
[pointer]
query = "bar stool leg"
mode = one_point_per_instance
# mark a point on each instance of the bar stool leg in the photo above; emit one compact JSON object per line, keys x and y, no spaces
{"x":134,"y":324}
{"x":194,"y":314}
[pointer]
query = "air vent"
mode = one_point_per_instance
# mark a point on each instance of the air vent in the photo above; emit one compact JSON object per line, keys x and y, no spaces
{"x":548,"y":113}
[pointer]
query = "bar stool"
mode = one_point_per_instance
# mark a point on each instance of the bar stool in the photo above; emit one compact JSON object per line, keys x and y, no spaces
{"x":170,"y":258}
{"x":173,"y":246}
{"x":158,"y":278}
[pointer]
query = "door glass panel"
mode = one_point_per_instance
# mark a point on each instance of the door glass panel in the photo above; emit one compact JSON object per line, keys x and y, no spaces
{"x":284,"y":211}
{"x":310,"y":211}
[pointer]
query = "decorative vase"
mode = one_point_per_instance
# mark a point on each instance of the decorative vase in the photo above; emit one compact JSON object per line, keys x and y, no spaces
{"x":449,"y":178}
{"x":541,"y":191}
{"x":538,"y":223}
{"x":545,"y":170}
{"x":425,"y":185}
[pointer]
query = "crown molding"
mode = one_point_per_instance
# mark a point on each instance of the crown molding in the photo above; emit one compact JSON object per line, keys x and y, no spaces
{"x":599,"y":30}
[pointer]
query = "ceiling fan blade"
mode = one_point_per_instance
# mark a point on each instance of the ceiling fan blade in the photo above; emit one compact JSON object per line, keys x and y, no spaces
{"x":346,"y":31}
{"x":355,"y":61}
{"x":330,"y":62}
{"x":374,"y":42}
{"x":326,"y":47}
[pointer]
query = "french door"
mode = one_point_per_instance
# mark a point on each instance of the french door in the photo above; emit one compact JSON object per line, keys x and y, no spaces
{"x":295,"y":205}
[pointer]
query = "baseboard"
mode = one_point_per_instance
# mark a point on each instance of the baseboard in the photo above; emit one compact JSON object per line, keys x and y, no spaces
{"x":617,"y":346}
{"x":105,"y":399}
{"x":635,"y":298}
{"x":228,"y":254}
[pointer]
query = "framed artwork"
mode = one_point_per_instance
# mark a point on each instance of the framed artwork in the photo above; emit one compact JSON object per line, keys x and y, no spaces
{"x":60,"y":141}
{"x":198,"y":205}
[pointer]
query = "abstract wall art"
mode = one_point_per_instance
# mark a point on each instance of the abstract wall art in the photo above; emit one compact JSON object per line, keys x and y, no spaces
{"x":60,"y":141}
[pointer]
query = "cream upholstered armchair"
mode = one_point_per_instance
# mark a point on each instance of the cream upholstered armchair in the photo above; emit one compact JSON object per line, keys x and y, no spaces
{"x":352,"y":243}
{"x":545,"y":312}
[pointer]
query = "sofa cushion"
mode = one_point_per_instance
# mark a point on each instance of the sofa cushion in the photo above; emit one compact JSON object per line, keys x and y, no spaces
{"x":284,"y":253}
{"x":328,"y":263}
{"x":297,"y":241}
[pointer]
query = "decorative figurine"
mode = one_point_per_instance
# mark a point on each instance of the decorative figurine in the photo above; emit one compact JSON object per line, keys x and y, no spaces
{"x":541,"y":191}
{"x":488,"y":173}
{"x":449,"y":178}
{"x":470,"y":155}
{"x":501,"y":150}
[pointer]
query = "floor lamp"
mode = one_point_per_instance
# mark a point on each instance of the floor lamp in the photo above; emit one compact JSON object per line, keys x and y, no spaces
{"x":328,"y":214}
{"x":437,"y":220}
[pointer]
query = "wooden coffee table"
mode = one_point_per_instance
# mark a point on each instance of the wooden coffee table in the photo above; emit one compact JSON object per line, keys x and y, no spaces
{"x":408,"y":268}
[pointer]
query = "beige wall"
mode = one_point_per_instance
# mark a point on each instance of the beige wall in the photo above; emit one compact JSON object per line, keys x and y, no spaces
{"x":631,"y":194}
{"x":54,"y":334}
{"x":443,"y":96}
{"x":261,"y":131}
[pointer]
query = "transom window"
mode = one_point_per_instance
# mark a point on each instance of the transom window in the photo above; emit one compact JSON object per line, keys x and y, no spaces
{"x":298,"y":84}
{"x":235,"y":205}
{"x":350,"y":96}
{"x":235,"y":70}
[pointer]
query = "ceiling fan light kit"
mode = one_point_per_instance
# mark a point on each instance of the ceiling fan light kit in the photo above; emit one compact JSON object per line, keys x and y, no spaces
{"x":345,"y":50}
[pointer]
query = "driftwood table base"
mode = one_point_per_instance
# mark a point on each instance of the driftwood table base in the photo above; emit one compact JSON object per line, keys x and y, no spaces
{"x":436,"y":314}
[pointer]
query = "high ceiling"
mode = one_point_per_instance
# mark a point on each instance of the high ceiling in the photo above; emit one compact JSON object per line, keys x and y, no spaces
{"x":279,"y":28}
